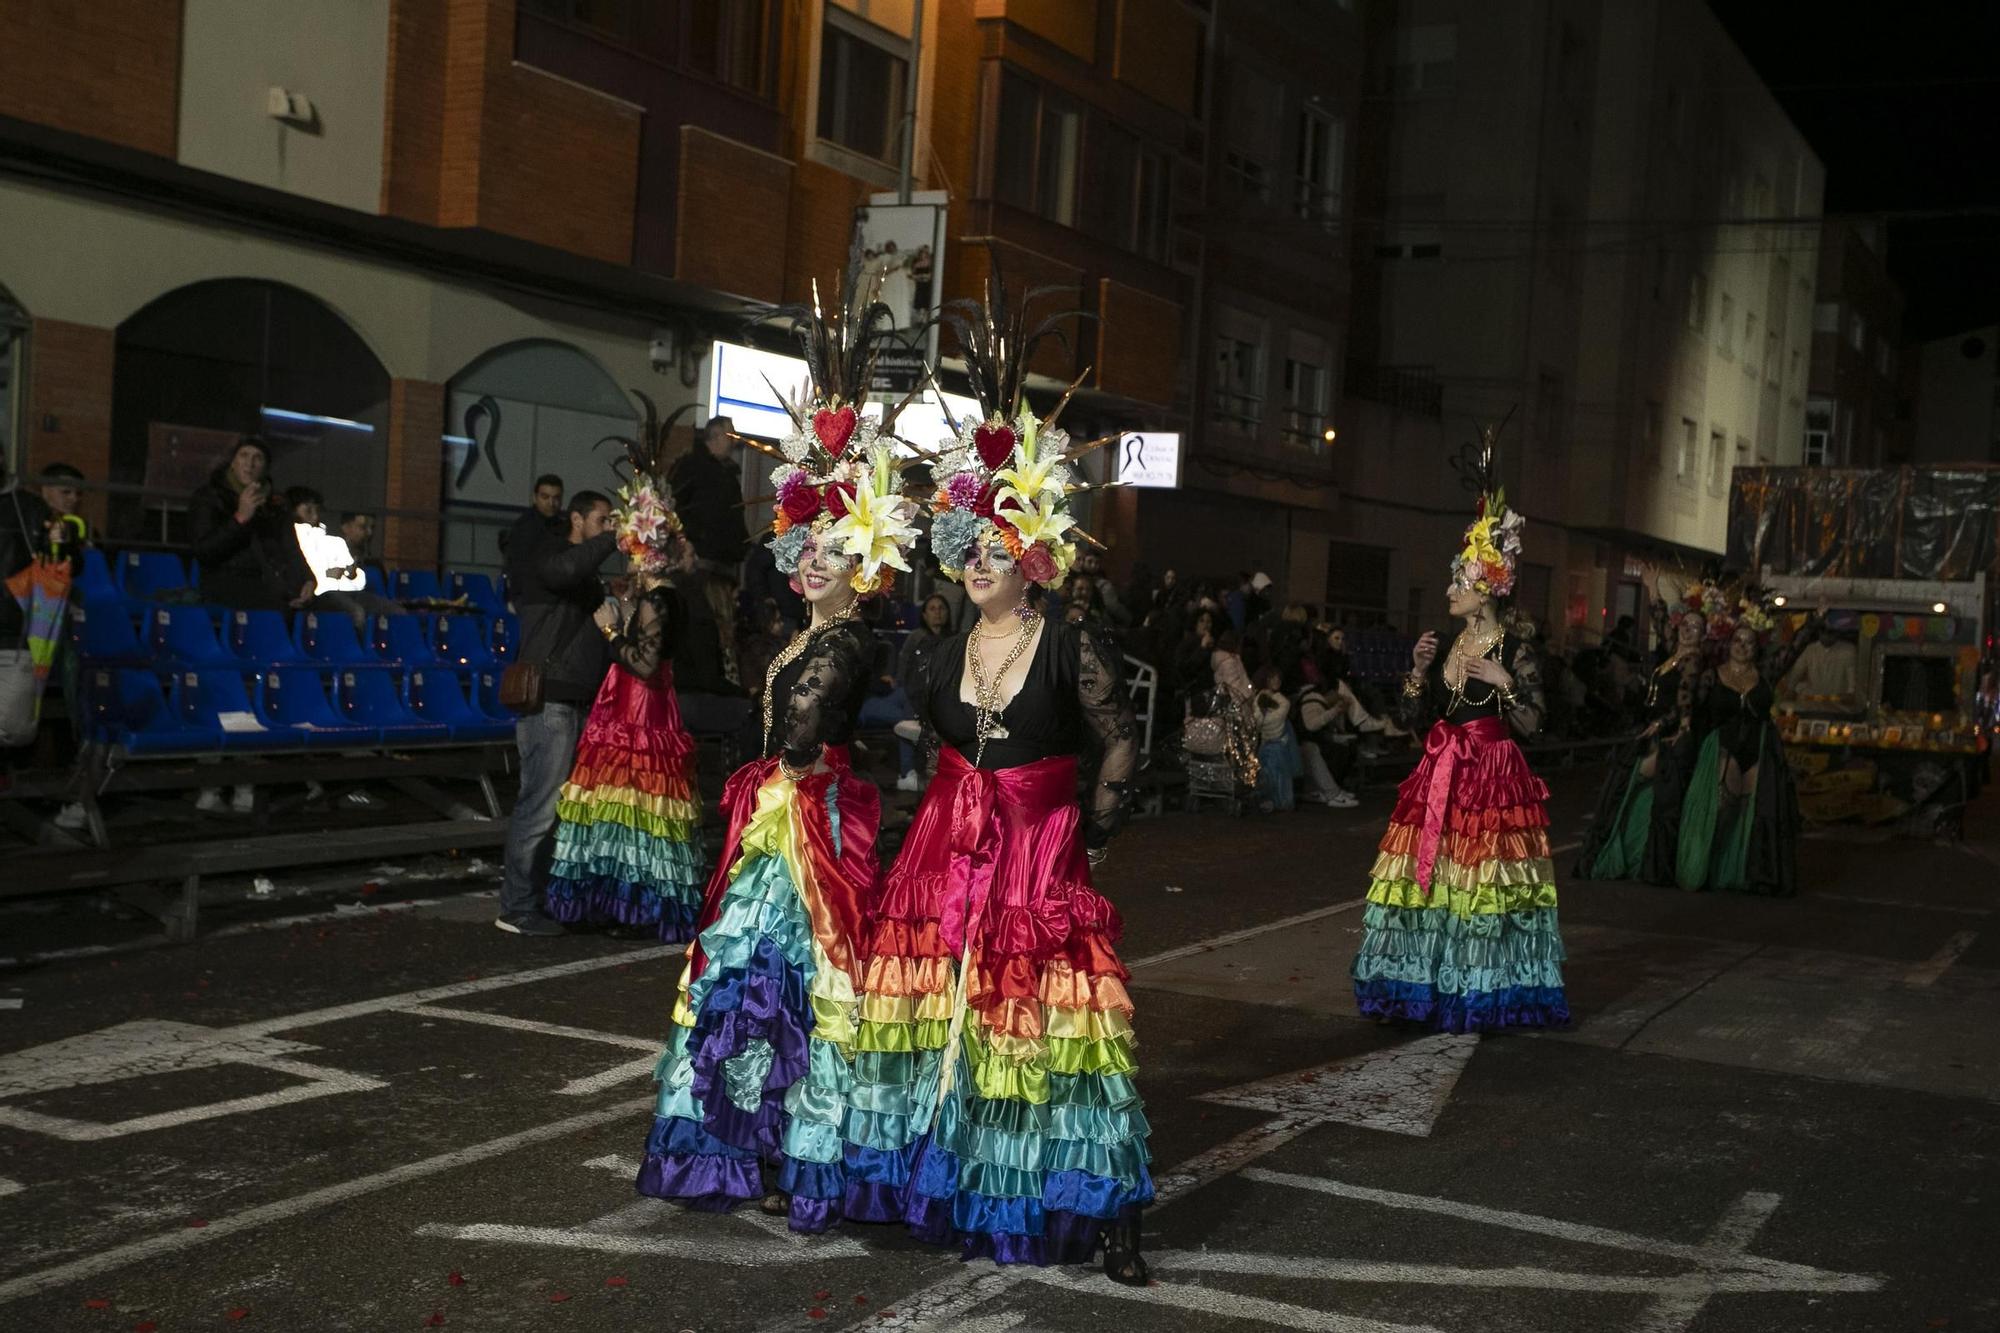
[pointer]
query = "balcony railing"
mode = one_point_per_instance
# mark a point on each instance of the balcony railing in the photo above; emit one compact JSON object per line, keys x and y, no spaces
{"x":1406,"y":390}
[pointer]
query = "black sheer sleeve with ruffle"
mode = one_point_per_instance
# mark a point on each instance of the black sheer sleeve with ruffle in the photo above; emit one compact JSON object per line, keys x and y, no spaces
{"x":652,"y":635}
{"x":819,"y":694}
{"x":1106,"y":710}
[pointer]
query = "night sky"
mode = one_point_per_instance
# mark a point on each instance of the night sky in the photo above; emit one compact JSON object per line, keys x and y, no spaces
{"x":1902,"y":104}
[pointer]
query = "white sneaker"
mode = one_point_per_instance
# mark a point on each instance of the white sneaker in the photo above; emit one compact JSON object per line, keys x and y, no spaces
{"x":71,"y":817}
{"x":1343,"y":800}
{"x":910,"y":781}
{"x":210,"y":801}
{"x":243,"y":800}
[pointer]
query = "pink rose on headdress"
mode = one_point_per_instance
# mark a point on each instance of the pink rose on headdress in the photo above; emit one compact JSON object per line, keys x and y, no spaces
{"x":1038,"y":565}
{"x":797,"y":500}
{"x":836,"y":502}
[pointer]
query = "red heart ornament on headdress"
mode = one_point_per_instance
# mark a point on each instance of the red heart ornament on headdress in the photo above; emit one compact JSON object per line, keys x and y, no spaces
{"x":995,"y":444}
{"x":834,"y":427}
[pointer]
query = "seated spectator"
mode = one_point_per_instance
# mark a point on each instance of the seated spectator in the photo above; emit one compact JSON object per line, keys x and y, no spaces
{"x":338,"y":583}
{"x":1327,"y":749}
{"x":358,"y":531}
{"x":1278,"y":763}
{"x":243,"y":540}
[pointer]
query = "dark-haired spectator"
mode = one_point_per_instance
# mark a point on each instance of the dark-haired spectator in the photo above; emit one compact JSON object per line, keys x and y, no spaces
{"x":357,"y":529}
{"x":338,"y":583}
{"x":708,"y":495}
{"x":243,"y":540}
{"x":542,"y":527}
{"x":557,"y":598}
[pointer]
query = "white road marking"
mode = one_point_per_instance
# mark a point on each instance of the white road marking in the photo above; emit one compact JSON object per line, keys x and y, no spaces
{"x":1225,"y":1304}
{"x":11,"y":1002}
{"x":319,"y":1082}
{"x":703,"y":1246}
{"x":612,"y":1077}
{"x":1727,"y":1254}
{"x":1675,"y":1312}
{"x":1901,"y":904}
{"x":1562,"y":847}
{"x":1238,"y":936}
{"x":10,"y":1187}
{"x":531,"y":1025}
{"x":186,"y":1238}
{"x":1927,"y":972}
{"x":1400,"y":1090}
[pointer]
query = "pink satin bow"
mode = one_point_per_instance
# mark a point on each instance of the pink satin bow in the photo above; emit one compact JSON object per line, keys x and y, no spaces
{"x":1444,"y":748}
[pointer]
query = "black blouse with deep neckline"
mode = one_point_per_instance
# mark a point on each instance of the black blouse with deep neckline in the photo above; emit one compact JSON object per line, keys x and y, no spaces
{"x":1071,"y":699}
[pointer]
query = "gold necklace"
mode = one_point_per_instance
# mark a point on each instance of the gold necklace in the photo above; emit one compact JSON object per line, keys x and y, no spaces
{"x":986,"y":705}
{"x":789,"y":654}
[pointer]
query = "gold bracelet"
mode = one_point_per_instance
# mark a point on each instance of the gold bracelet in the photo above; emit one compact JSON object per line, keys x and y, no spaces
{"x":793,"y":774}
{"x":1413,"y":685}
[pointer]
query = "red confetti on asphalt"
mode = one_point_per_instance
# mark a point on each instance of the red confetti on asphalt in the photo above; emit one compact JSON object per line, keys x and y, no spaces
{"x":558,"y":1297}
{"x":201,"y":981}
{"x":97,"y":1303}
{"x":145,"y":1326}
{"x":239,"y":1313}
{"x":617,"y":1282}
{"x":822,"y":1295}
{"x":860,"y":1300}
{"x":1940,"y":1322}
{"x":197,"y":1221}
{"x":815,"y":1313}
{"x":436,"y":1320}
{"x":368,"y":890}
{"x":456,"y":1278}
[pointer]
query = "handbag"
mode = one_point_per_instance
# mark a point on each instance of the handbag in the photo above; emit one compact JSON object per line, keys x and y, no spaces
{"x":521,"y":688}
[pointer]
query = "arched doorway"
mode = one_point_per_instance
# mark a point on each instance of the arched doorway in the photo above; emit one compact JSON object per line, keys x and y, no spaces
{"x":13,"y":380}
{"x":516,"y":412}
{"x":213,"y":361}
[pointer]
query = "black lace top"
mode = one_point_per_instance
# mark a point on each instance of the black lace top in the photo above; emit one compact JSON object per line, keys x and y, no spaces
{"x":1742,"y":716}
{"x":1516,"y":653}
{"x":1073,"y":696}
{"x":816,"y":699}
{"x":650,"y":636}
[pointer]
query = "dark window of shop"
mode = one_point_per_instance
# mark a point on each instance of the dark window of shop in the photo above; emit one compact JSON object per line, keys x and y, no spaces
{"x":1036,"y":146}
{"x":1156,"y":205}
{"x":730,"y":40}
{"x":1110,"y":205}
{"x":861,"y":78}
{"x":1357,"y":581}
{"x":1305,"y":404}
{"x":13,"y":386}
{"x":641,"y":26}
{"x":238,"y":356}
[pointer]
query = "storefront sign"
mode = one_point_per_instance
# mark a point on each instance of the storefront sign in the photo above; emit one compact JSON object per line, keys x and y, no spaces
{"x":744,"y":384}
{"x":1149,"y":458}
{"x":901,"y":249}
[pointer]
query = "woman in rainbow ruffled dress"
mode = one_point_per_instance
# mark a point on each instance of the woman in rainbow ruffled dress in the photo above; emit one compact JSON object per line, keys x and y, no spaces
{"x":628,"y":845}
{"x":1459,"y":931}
{"x":993,"y":1106}
{"x":758,"y":1067}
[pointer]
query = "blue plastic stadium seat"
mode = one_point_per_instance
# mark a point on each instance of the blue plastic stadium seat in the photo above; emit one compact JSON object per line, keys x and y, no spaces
{"x":461,"y":641}
{"x":143,"y":575}
{"x":184,"y":636}
{"x":259,"y":639}
{"x":214,"y":701}
{"x":415,"y":583}
{"x":105,"y":637}
{"x":486,"y":697}
{"x":369,"y":697}
{"x":294,"y":699}
{"x":373,"y":581}
{"x":506,"y":635}
{"x":328,"y":636}
{"x":478,"y":590}
{"x":435,"y":696}
{"x":401,"y":639}
{"x":128,"y":707}
{"x":94,"y":584}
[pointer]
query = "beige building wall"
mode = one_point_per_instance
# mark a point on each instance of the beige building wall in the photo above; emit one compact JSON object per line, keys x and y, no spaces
{"x":234,"y":51}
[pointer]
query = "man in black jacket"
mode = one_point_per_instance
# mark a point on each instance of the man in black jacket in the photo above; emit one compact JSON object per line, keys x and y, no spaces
{"x":708,"y":495}
{"x":556,"y":598}
{"x":243,"y":540}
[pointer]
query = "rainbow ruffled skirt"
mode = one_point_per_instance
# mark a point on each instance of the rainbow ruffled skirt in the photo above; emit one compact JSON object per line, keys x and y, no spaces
{"x":628,"y":820}
{"x":993,"y":1104}
{"x":1469,"y":942}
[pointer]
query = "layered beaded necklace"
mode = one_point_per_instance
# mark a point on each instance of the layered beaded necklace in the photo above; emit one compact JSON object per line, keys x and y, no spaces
{"x":790,"y":653}
{"x":986,"y":705}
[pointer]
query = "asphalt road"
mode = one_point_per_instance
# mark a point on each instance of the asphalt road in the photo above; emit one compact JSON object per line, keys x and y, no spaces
{"x":1770,"y":1116}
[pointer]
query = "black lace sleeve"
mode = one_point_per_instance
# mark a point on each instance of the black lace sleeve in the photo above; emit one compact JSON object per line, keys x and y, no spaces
{"x":1530,"y":699}
{"x":1417,"y":709}
{"x":1107,"y":712}
{"x":837,"y":663}
{"x":652,"y":634}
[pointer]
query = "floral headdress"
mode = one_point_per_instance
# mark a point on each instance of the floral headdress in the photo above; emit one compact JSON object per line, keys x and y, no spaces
{"x":648,"y":527}
{"x":837,"y":478}
{"x":1007,"y":474}
{"x":1492,"y":551}
{"x":1706,"y":599}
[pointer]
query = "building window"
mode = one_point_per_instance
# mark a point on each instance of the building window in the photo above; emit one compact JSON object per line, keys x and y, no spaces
{"x":1697,"y":311}
{"x":730,"y":40}
{"x":1238,"y":396}
{"x":1649,"y":432}
{"x":1035,"y":149}
{"x":1774,"y":361}
{"x":1322,"y":158}
{"x":1684,"y":452}
{"x":1826,"y":317}
{"x":1110,"y":205}
{"x":1725,"y":327}
{"x":1252,"y":132}
{"x":1857,"y":332}
{"x":13,"y":386}
{"x":1819,"y":433}
{"x":1424,"y":60}
{"x":1153,"y":236}
{"x":1750,"y":343}
{"x":862,"y":70}
{"x":1798,"y":361}
{"x":1718,"y":461}
{"x":1305,"y":404}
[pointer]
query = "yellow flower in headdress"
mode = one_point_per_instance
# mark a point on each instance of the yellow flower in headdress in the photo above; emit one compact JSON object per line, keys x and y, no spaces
{"x":1041,"y":520}
{"x":876,"y":527}
{"x":1034,"y":473}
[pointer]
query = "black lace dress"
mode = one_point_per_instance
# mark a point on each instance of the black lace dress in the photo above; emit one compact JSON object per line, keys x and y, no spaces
{"x":994,"y":1103}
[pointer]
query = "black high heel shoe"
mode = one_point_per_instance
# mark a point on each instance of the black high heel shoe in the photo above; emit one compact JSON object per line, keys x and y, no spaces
{"x":1122,"y":1261}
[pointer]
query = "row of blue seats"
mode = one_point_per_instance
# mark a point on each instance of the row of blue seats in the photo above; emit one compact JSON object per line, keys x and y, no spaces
{"x":186,"y":636}
{"x":147,"y":576}
{"x":291,"y":707}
